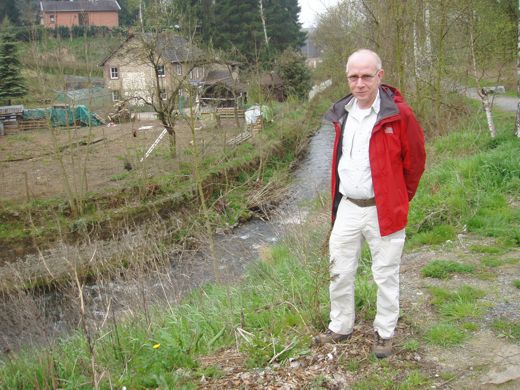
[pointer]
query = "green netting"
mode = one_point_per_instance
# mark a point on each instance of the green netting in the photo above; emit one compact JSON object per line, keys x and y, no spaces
{"x":64,"y":116}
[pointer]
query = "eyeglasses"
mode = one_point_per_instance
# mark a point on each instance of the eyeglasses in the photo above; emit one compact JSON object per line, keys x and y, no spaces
{"x":365,"y":77}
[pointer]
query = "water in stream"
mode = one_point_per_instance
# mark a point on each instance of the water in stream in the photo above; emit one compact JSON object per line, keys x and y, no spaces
{"x":38,"y":317}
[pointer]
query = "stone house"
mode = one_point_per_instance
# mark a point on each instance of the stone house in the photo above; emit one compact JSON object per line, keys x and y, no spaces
{"x":79,"y":13}
{"x":145,"y":64}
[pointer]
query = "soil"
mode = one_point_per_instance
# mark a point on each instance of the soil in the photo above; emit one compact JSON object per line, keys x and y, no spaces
{"x":30,"y":160}
{"x":487,"y":360}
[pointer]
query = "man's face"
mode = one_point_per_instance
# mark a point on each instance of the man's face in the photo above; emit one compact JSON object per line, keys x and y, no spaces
{"x":364,"y":78}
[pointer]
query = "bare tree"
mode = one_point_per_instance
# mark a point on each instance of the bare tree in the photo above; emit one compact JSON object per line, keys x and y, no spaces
{"x":168,"y":61}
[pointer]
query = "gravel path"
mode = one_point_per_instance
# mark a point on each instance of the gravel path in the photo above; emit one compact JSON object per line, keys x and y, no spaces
{"x":504,"y":103}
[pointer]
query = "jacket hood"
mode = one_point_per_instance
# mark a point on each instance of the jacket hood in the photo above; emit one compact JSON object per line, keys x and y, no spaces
{"x":389,"y":96}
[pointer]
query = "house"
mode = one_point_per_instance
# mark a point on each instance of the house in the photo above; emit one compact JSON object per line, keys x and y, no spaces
{"x":165,"y":61}
{"x":79,"y":13}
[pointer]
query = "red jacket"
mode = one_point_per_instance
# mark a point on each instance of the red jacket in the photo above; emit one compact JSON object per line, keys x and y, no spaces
{"x":396,"y":153}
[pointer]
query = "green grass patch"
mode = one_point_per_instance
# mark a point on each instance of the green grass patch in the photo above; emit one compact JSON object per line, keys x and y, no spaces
{"x":445,"y":335}
{"x":411,"y":345}
{"x":468,"y":186}
{"x":465,"y":294}
{"x":494,"y":262}
{"x":508,"y":329}
{"x":444,"y":269}
{"x":487,"y":249}
{"x":516,"y":283}
{"x":392,"y":379}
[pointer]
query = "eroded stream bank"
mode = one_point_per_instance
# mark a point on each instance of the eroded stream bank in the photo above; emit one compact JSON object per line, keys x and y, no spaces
{"x":38,"y":316}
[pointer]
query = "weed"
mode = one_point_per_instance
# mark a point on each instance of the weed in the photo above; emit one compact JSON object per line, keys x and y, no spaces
{"x":445,"y":335}
{"x":442,"y":269}
{"x":516,"y":283}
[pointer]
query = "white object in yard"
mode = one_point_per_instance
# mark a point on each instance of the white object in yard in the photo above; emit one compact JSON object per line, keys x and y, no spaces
{"x":145,"y":127}
{"x":252,"y":113}
{"x":156,"y":142}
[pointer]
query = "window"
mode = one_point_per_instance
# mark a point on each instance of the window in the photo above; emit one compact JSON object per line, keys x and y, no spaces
{"x":178,"y":68}
{"x":160,"y":70}
{"x":114,"y":73}
{"x":163,"y":95}
{"x":52,"y":18}
{"x":116,"y":96}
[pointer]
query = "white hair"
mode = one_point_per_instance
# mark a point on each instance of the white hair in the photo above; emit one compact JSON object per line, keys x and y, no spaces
{"x":379,"y":64}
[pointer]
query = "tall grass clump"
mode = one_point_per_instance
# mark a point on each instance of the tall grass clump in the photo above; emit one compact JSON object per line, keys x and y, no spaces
{"x":468,"y":185}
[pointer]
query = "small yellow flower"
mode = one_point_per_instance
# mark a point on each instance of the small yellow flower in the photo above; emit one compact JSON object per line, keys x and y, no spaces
{"x":156,"y":346}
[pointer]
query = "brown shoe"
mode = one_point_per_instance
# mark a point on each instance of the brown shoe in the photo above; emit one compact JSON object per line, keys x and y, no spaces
{"x":382,"y":347}
{"x":330,"y":337}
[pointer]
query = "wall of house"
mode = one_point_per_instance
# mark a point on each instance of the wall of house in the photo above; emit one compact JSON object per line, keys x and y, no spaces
{"x":136,"y":77}
{"x":69,"y":19}
{"x":109,"y":19}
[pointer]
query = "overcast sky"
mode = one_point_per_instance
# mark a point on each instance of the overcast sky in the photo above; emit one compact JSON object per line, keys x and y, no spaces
{"x":310,"y":8}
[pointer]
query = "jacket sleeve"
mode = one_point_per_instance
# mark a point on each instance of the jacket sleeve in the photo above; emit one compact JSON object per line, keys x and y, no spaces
{"x":413,"y":152}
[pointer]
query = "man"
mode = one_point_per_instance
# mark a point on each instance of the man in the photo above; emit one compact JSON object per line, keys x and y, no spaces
{"x":378,"y":160}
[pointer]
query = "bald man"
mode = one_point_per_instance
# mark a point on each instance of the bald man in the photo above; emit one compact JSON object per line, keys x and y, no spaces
{"x":378,"y":160}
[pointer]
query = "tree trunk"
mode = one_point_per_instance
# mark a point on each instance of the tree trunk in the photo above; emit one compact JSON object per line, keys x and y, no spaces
{"x":263,"y":23}
{"x":489,"y":116}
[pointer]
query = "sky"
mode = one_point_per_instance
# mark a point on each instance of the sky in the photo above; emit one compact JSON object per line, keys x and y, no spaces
{"x":310,"y":8}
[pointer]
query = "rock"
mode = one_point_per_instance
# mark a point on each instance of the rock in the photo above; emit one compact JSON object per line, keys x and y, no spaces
{"x":506,"y":367}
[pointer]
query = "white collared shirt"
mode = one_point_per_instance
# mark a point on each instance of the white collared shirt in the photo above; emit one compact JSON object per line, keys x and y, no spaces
{"x":354,"y":166}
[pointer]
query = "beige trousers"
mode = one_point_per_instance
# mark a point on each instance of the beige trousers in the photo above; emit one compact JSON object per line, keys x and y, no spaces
{"x":352,"y":224}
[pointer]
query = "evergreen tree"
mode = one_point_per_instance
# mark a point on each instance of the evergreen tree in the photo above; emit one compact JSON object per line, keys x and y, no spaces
{"x":11,"y":81}
{"x":9,"y":9}
{"x":238,"y":24}
{"x":283,"y":26}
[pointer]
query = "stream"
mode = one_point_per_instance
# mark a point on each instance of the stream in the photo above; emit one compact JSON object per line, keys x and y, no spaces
{"x":39,"y":317}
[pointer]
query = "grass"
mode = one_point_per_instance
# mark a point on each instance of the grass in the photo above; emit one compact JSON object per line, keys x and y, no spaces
{"x":444,"y":269}
{"x":468,"y":186}
{"x":445,"y":335}
{"x":494,"y":262}
{"x":516,"y":283}
{"x":268,"y":315}
{"x":455,"y":308}
{"x":507,"y":328}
